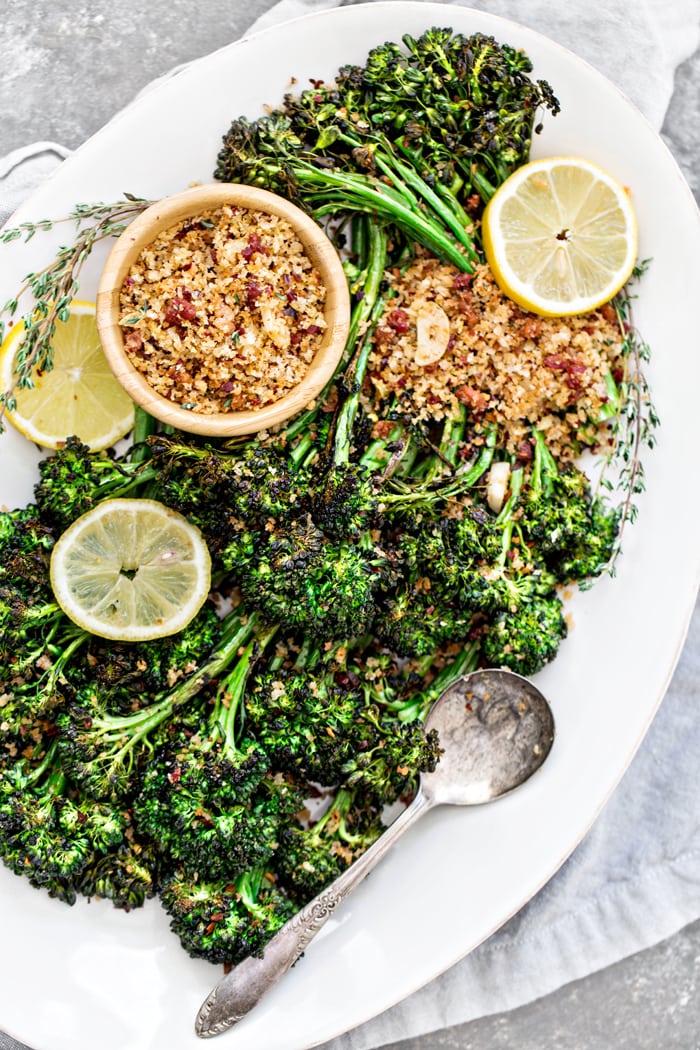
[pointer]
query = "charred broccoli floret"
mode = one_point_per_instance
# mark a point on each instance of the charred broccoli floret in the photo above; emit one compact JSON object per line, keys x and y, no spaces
{"x":310,"y":858}
{"x":301,"y":579}
{"x":227,"y":920}
{"x":107,"y":753}
{"x":526,"y":639}
{"x":46,"y":832}
{"x":73,"y":479}
{"x":209,"y":797}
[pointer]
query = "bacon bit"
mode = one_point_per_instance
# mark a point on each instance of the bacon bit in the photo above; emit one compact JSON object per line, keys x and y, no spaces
{"x":525,"y":451}
{"x":346,"y":679}
{"x":608,"y":312}
{"x":382,"y":428}
{"x":531,"y":327}
{"x":477,"y":400}
{"x":254,"y":245}
{"x":463,"y":281}
{"x":133,"y":341}
{"x":398,"y":320}
{"x":180,"y":236}
{"x":384,"y":335}
{"x":178,"y":310}
{"x":556,"y":361}
{"x":252,"y":292}
{"x":175,"y":775}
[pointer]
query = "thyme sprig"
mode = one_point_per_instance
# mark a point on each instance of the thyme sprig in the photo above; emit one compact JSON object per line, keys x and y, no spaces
{"x":634,"y":422}
{"x":54,"y":287}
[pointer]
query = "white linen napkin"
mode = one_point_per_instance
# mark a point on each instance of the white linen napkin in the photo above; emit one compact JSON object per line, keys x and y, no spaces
{"x":635,"y":879}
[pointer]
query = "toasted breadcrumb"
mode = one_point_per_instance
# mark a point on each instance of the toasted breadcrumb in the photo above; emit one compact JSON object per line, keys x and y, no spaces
{"x":507,"y":366}
{"x":223,"y":312}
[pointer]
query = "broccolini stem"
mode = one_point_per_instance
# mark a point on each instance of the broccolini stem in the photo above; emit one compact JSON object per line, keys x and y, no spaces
{"x":232,"y":690}
{"x":374,"y":273}
{"x":412,"y":188}
{"x":64,"y":658}
{"x":363,"y":193}
{"x":366,"y":315}
{"x":544,"y":467}
{"x":373,"y":247}
{"x":505,"y":517}
{"x":463,"y":478}
{"x":144,"y":427}
{"x":238,"y":630}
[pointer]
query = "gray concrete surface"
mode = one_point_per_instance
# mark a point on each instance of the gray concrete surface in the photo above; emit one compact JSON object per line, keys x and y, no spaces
{"x":67,"y":67}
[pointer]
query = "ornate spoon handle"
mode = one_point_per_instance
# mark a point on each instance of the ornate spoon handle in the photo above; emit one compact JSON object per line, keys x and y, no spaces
{"x":241,"y":989}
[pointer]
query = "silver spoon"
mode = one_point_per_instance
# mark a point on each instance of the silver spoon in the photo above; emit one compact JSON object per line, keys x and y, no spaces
{"x":495,"y":729}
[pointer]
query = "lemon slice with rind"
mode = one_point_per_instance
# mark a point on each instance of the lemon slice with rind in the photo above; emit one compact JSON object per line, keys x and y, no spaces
{"x":78,"y":396}
{"x":560,"y":236}
{"x":131,"y":570}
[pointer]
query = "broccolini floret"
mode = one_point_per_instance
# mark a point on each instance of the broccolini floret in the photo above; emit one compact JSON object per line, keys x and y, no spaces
{"x":225,"y":921}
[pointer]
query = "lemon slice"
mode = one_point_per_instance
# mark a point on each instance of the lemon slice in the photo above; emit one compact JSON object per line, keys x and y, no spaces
{"x":131,"y":569}
{"x":78,"y":396}
{"x":560,"y":236}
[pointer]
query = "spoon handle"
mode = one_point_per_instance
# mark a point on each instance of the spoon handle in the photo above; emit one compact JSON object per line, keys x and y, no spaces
{"x":244,"y":986}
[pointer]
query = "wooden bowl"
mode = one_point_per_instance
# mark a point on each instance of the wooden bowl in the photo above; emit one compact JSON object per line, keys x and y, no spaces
{"x":190,"y":203}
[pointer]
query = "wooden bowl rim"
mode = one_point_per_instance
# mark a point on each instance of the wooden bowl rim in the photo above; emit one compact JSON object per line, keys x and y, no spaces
{"x":167,"y":212}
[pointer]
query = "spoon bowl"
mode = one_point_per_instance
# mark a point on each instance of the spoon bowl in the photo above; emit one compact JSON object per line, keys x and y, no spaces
{"x":495,"y":730}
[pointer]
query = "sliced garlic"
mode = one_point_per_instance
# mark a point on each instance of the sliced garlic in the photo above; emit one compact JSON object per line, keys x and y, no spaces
{"x":433,"y":332}
{"x":497,"y":485}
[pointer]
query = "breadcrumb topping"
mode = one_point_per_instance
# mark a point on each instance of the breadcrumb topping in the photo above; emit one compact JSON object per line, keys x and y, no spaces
{"x":223,"y":312}
{"x":506,"y":365}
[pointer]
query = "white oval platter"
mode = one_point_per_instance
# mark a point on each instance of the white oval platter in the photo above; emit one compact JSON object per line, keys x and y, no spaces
{"x":90,"y":976}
